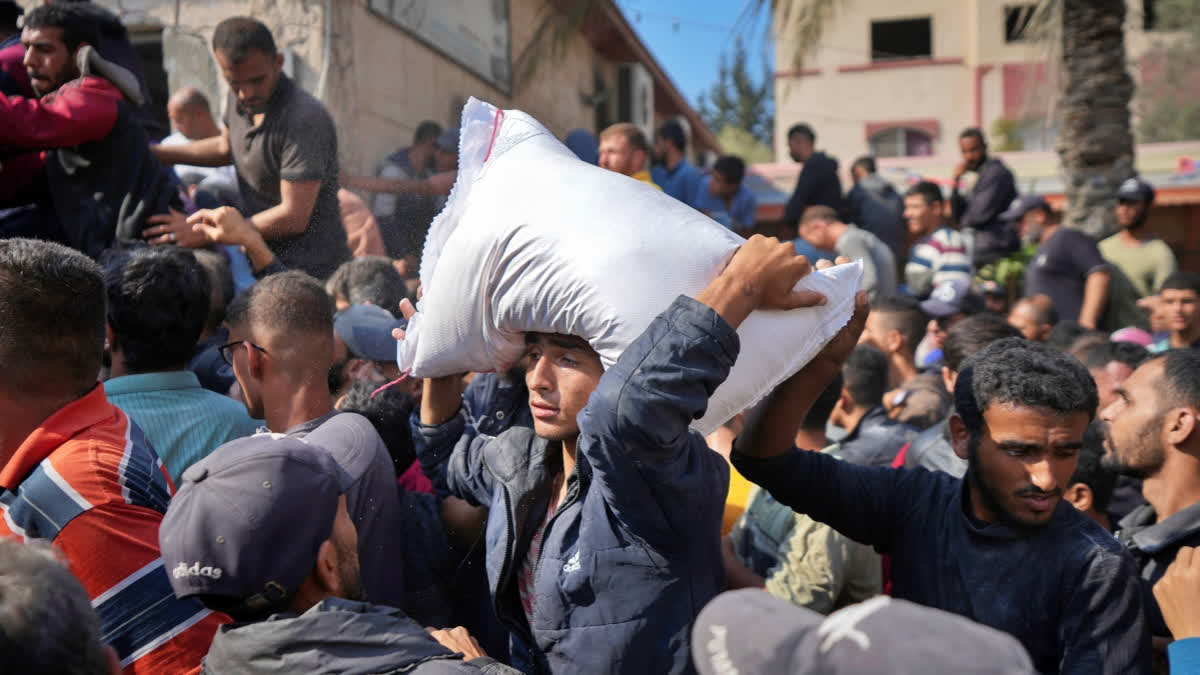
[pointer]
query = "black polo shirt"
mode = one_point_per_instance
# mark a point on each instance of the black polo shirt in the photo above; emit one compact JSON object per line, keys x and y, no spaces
{"x":296,"y":142}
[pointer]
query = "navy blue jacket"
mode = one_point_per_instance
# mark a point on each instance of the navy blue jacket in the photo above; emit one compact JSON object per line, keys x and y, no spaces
{"x":633,"y":552}
{"x":1068,"y":591}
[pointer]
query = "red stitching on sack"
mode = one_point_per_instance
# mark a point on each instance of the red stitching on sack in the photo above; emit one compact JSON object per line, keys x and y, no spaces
{"x":495,"y":130}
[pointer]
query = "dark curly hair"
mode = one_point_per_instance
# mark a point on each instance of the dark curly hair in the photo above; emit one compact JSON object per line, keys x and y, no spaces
{"x":157,"y":304}
{"x":1023,"y":373}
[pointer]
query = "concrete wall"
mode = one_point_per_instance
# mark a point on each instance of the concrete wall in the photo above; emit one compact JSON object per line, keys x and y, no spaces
{"x":964,"y":83}
{"x":379,"y":82}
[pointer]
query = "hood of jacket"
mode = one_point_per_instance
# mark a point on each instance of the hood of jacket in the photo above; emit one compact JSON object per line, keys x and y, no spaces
{"x":336,"y":635}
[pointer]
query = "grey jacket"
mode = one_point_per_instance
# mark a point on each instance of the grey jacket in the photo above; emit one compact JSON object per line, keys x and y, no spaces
{"x":338,"y":636}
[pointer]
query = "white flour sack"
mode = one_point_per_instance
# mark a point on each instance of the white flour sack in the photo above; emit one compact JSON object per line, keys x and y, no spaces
{"x":534,"y":240}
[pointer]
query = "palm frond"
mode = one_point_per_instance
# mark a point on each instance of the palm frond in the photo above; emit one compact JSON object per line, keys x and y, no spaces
{"x":550,"y":38}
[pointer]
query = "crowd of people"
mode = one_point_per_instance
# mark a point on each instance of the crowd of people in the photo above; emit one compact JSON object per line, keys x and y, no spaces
{"x":211,"y":462}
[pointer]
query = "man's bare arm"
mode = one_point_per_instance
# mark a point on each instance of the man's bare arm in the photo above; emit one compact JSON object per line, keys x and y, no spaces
{"x":1095,"y":298}
{"x":206,"y":152}
{"x":294,"y":212}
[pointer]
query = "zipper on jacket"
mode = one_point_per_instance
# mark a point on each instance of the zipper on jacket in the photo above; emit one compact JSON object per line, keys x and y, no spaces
{"x":571,"y":498}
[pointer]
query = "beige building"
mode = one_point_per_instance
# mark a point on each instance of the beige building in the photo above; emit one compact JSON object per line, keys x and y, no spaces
{"x":383,"y":66}
{"x":903,"y":79}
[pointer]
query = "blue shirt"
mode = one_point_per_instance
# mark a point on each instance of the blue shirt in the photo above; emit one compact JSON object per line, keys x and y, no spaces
{"x":682,"y":182}
{"x":183,"y":421}
{"x":1184,"y":656}
{"x":738,"y":216}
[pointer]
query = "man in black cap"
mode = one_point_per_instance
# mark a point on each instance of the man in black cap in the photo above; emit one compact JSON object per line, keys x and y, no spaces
{"x":749,"y":631}
{"x":1067,"y":267}
{"x":1143,"y":257}
{"x":364,"y":349}
{"x":260,"y":530}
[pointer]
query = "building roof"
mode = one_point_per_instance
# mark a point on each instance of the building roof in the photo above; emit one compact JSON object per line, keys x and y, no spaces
{"x":610,"y":34}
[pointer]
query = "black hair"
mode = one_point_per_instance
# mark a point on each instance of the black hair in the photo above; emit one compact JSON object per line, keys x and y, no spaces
{"x":672,"y":132}
{"x":237,"y":36}
{"x":1104,"y":353}
{"x":866,"y":163}
{"x":972,"y":334}
{"x":290,"y":302}
{"x":973,"y":132}
{"x":1181,"y":374}
{"x":866,"y":375}
{"x":369,"y":279}
{"x":1091,"y":470}
{"x":76,"y":24}
{"x":903,"y":314}
{"x":220,"y":279}
{"x":1016,"y":371}
{"x":802,"y":130}
{"x":822,"y":408}
{"x":927,"y":190}
{"x":389,"y":412}
{"x":158,"y":300}
{"x":1182,"y":281}
{"x":9,"y":12}
{"x":427,"y":131}
{"x":1064,"y":333}
{"x":731,"y":168}
{"x":51,"y":318}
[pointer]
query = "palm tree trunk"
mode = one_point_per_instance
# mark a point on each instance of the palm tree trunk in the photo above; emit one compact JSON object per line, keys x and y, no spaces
{"x":1095,"y":138}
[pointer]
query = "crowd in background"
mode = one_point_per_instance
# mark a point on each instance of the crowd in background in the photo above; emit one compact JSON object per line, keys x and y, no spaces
{"x":210,"y":460}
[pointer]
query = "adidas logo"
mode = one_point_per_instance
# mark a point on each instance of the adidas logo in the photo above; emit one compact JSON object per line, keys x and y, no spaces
{"x":573,"y":564}
{"x":182,"y":571}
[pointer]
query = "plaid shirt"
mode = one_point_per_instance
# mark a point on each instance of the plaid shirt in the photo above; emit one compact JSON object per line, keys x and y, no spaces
{"x":87,"y":480}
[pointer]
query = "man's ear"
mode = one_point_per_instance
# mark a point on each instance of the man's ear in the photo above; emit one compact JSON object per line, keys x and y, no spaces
{"x":1080,"y":496}
{"x":895,"y":341}
{"x":325,"y":572}
{"x":110,"y":338}
{"x":1179,"y":424}
{"x":949,"y":377}
{"x":279,"y":60}
{"x":960,"y":436}
{"x":1044,"y":331}
{"x":256,"y":361}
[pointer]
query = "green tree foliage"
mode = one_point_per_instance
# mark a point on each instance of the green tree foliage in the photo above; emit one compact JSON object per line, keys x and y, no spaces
{"x":736,"y":100}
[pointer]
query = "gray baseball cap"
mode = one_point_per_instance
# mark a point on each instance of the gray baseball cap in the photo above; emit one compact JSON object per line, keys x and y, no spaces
{"x":1135,"y":190}
{"x":367,"y":331}
{"x":750,"y":631}
{"x":249,"y":519}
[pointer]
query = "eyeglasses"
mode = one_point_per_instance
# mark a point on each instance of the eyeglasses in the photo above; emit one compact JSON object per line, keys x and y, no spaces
{"x":226,"y":350}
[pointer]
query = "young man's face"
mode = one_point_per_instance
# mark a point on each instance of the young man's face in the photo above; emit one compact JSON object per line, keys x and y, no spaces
{"x":1179,"y":308}
{"x":973,"y":152}
{"x":921,"y":216}
{"x":799,"y":147}
{"x":616,"y":154}
{"x":817,"y":233}
{"x":561,"y":373}
{"x":1129,"y":213}
{"x":47,"y":60}
{"x":1031,"y":225}
{"x":1132,"y":439}
{"x":721,"y":187}
{"x":253,"y":79}
{"x":1108,"y":379}
{"x":1021,"y":462}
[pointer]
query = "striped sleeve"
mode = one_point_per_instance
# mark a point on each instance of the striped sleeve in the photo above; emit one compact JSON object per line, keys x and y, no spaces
{"x":151,"y":630}
{"x":936,"y":259}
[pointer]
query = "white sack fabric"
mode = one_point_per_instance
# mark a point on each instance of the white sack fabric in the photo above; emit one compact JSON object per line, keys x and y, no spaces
{"x":534,"y":240}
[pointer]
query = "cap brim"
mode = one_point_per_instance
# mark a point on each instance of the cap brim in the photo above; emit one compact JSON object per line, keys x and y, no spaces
{"x":752,"y":631}
{"x":937,"y":308}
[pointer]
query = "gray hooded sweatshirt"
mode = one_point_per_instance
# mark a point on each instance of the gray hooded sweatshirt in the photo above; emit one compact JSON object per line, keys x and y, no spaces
{"x":338,"y":636}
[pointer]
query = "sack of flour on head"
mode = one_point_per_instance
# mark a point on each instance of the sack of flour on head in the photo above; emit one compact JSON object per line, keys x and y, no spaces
{"x":534,"y":240}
